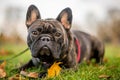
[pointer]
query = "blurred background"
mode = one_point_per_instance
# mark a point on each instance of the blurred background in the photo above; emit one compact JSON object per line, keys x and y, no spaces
{"x":100,"y":18}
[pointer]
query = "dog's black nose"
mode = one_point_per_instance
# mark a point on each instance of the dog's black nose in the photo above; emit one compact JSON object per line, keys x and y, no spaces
{"x":47,"y":39}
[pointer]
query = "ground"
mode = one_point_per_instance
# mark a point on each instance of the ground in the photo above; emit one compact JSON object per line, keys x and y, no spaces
{"x":109,"y":70}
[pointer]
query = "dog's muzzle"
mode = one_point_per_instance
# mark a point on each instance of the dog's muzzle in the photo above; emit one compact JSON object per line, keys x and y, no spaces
{"x":45,"y":54}
{"x":45,"y":51}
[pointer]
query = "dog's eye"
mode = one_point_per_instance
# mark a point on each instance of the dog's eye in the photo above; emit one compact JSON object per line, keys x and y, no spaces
{"x":57,"y":34}
{"x":34,"y":32}
{"x":40,"y":29}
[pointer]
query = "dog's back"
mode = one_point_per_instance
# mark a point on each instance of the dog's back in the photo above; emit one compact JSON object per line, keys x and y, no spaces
{"x":91,"y":47}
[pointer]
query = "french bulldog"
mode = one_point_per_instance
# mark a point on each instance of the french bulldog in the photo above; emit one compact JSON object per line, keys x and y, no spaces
{"x":51,"y":40}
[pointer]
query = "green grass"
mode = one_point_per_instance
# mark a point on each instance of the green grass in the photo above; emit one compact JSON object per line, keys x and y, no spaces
{"x":110,"y":68}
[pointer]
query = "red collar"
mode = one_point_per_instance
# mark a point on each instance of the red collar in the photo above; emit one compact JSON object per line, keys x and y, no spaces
{"x":78,"y":49}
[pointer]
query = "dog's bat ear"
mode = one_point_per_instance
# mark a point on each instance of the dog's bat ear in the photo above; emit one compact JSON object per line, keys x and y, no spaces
{"x":65,"y":17}
{"x":32,"y":15}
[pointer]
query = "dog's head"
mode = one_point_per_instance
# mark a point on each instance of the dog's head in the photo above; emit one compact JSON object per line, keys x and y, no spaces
{"x":47,"y":38}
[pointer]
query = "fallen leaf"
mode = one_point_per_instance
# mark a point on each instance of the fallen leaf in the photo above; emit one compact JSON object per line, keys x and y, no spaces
{"x":104,"y":76}
{"x":17,"y":77}
{"x":30,"y":75}
{"x":2,"y":71}
{"x":33,"y":75}
{"x":105,"y":60}
{"x":23,"y":73}
{"x":2,"y":66}
{"x":54,"y":70}
{"x":3,"y":52}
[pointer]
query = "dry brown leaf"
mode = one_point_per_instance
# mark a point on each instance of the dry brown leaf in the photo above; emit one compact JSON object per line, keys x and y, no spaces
{"x":2,"y":66}
{"x":31,"y":74}
{"x":24,"y":73}
{"x":54,"y":70}
{"x":2,"y":71}
{"x":3,"y":52}
{"x":17,"y":77}
{"x":105,"y":60}
{"x":104,"y":76}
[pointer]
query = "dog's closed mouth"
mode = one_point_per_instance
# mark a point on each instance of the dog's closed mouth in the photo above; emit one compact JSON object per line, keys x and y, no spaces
{"x":45,"y":51}
{"x":45,"y":54}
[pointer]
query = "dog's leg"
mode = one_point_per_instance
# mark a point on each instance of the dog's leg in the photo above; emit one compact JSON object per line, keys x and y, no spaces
{"x":100,"y":55}
{"x":27,"y":65}
{"x":99,"y":60}
{"x":98,"y":50}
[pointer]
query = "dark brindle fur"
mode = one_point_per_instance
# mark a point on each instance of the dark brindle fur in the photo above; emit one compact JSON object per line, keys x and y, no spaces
{"x":52,"y":40}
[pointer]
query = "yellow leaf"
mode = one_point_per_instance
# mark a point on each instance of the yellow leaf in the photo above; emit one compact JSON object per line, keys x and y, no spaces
{"x":54,"y":70}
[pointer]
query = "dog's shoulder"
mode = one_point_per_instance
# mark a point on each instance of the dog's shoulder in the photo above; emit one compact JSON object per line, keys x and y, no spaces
{"x":80,"y":34}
